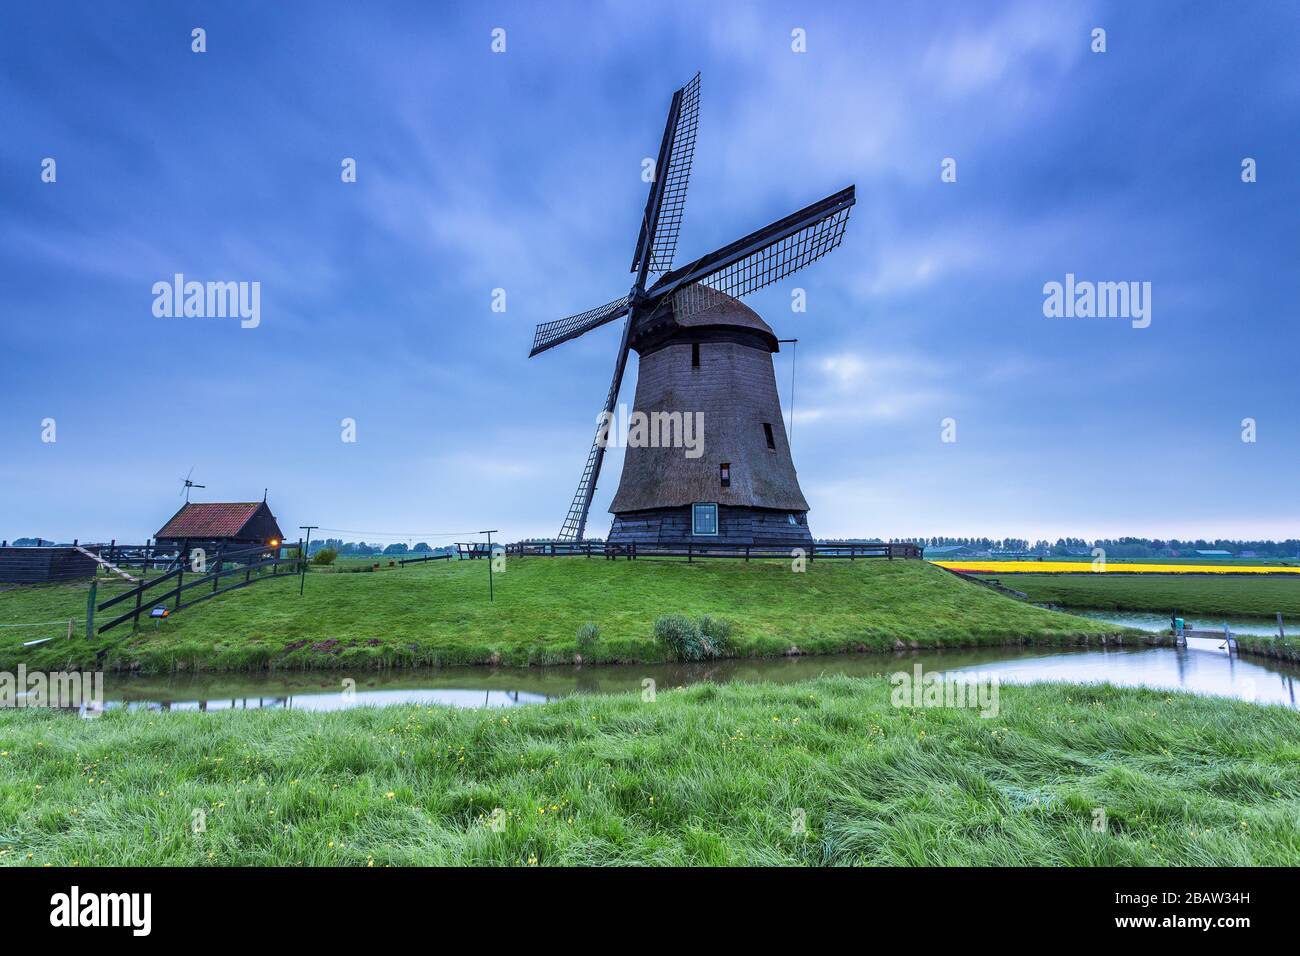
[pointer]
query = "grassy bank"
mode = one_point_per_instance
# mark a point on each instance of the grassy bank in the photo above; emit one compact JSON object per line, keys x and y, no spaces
{"x":706,"y":775}
{"x":439,"y":614}
{"x":1246,"y":596}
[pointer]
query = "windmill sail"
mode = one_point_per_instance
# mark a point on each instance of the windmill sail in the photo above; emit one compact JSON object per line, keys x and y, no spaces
{"x":662,"y":221}
{"x":575,"y":520}
{"x":761,"y":258}
{"x":550,"y":334}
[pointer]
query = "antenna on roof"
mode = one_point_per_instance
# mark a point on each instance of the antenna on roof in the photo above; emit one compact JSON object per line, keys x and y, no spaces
{"x":188,"y":485}
{"x":263,"y":496}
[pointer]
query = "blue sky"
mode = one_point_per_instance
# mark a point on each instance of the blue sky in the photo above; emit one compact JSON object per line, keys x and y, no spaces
{"x":522,"y":171}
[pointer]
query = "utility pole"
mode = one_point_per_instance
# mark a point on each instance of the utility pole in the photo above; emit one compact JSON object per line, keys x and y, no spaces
{"x":489,"y":537}
{"x":302,"y":558}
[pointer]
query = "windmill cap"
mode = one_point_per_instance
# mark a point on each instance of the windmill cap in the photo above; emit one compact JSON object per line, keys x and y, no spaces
{"x":726,"y":310}
{"x":721,"y":312}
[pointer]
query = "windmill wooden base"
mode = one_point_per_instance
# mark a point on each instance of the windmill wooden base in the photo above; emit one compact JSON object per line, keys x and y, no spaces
{"x":757,"y":527}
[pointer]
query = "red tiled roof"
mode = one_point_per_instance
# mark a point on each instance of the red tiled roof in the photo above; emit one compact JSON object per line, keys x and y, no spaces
{"x":209,"y":519}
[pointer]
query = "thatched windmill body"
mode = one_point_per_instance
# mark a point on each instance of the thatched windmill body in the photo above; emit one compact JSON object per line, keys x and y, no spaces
{"x":701,"y":351}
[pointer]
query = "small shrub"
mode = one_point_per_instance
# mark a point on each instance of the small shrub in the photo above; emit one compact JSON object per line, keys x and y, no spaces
{"x":688,"y":641}
{"x":588,"y":638}
{"x":325,"y":557}
{"x":718,"y":630}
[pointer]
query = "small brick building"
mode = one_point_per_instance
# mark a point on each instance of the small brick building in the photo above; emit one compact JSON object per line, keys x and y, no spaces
{"x":220,"y":525}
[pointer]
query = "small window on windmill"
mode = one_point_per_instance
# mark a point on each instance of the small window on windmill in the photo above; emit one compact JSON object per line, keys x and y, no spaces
{"x":793,"y":519}
{"x":767,"y":433}
{"x":704,"y":519}
{"x":695,"y":355}
{"x":724,"y":472}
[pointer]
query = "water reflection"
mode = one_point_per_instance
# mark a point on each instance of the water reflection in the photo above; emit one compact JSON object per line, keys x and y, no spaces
{"x":1159,"y":623}
{"x":1202,"y":667}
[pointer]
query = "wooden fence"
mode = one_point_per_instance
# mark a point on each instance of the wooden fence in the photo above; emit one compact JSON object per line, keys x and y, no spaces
{"x":423,"y":558}
{"x":144,"y":556}
{"x":690,"y":550}
{"x":250,"y":563}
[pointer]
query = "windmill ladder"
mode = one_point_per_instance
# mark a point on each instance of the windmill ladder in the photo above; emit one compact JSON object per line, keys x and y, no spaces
{"x":111,"y":567}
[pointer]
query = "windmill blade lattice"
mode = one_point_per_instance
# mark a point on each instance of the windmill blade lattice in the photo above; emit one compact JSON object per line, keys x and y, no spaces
{"x":551,"y":334}
{"x":771,"y":263}
{"x":676,"y":179}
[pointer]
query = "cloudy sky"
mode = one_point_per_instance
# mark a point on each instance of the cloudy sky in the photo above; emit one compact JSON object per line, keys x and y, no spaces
{"x":522,"y":171}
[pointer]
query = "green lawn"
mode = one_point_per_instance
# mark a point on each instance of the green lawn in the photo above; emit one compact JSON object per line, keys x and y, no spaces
{"x":439,"y":614}
{"x":1245,"y":596}
{"x":707,"y":775}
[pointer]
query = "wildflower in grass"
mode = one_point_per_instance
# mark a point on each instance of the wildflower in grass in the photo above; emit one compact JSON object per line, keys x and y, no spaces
{"x":390,"y":795}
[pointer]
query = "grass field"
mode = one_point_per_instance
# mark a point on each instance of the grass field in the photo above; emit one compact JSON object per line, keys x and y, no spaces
{"x":439,"y":614}
{"x":706,"y":775}
{"x":1197,"y":594}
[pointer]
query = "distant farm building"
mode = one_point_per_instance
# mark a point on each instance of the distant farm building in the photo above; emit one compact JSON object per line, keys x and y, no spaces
{"x":1213,"y":554}
{"x":220,"y":525}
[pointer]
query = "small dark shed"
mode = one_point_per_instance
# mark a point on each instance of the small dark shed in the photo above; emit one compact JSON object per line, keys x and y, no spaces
{"x":216,"y":525}
{"x":31,"y":565}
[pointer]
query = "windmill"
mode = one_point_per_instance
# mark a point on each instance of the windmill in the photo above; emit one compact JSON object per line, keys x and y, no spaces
{"x":188,"y":485}
{"x":693,"y":304}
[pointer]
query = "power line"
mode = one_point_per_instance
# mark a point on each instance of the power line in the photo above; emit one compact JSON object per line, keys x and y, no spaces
{"x":401,"y":534}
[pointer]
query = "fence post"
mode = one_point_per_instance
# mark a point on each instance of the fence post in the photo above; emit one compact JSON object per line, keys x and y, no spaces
{"x":216,"y":579}
{"x":1281,"y":634}
{"x":689,"y":555}
{"x":180,"y":581}
{"x":135,"y":621}
{"x":90,"y":611}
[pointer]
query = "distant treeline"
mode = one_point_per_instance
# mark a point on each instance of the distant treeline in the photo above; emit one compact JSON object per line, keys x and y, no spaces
{"x":362,"y":548}
{"x":1119,"y":547}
